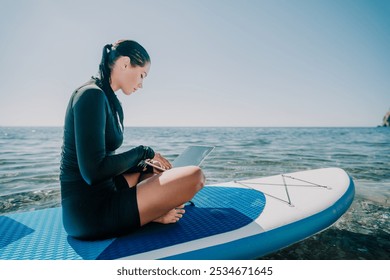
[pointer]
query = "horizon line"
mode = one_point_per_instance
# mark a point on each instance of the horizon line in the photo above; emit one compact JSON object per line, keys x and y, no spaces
{"x":200,"y":126}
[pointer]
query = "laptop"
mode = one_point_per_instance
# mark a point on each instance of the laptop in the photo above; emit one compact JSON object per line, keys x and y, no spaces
{"x":192,"y":155}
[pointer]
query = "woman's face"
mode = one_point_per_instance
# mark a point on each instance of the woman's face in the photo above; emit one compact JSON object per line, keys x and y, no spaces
{"x":133,"y":78}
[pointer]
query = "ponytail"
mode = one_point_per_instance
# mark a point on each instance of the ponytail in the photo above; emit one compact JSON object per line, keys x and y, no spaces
{"x":104,"y":67}
{"x":108,"y":59}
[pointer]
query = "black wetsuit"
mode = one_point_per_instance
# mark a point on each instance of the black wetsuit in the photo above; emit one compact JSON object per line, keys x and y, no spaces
{"x":96,"y":200}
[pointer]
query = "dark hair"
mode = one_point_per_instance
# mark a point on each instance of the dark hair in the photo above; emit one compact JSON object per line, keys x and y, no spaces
{"x":138,"y":57}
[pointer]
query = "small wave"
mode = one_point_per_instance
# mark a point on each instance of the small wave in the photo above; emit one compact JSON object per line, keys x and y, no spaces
{"x":29,"y":201}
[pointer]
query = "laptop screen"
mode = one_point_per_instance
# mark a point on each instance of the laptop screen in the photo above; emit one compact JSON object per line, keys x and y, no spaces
{"x":192,"y":155}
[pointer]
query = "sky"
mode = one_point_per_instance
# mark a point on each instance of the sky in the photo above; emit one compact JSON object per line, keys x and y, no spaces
{"x":273,"y":63}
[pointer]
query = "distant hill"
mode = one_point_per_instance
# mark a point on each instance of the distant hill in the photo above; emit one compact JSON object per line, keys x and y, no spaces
{"x":386,"y":120}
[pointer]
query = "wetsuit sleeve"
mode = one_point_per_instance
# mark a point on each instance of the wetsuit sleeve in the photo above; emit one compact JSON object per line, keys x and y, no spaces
{"x":89,"y":123}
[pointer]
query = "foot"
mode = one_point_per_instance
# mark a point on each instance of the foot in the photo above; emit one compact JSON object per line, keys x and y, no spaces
{"x":172,"y":216}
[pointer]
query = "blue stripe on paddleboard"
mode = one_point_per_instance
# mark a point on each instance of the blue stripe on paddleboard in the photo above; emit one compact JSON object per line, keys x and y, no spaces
{"x":267,"y":242}
{"x":217,"y":210}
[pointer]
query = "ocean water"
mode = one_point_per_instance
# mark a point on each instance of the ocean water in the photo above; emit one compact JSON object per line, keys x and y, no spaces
{"x":30,"y":159}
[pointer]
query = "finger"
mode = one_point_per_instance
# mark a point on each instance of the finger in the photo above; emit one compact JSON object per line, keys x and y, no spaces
{"x":165,"y":163}
{"x":157,"y":166}
{"x":157,"y":171}
{"x":163,"y":160}
{"x":158,"y":163}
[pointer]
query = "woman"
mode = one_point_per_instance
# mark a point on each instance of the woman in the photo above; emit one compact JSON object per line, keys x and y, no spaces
{"x":106,"y":194}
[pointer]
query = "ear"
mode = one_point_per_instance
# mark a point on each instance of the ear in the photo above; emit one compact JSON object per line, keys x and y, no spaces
{"x":124,"y":62}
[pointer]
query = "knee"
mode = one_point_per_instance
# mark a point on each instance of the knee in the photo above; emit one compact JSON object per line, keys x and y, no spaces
{"x":197,"y":178}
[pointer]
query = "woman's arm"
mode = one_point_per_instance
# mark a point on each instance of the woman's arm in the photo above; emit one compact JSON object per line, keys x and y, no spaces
{"x":90,"y":125}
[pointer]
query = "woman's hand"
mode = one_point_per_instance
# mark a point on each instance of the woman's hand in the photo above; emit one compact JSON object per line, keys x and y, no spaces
{"x":159,"y":163}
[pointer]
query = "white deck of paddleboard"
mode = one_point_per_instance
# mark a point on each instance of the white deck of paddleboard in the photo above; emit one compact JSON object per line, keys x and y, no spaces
{"x":289,"y":198}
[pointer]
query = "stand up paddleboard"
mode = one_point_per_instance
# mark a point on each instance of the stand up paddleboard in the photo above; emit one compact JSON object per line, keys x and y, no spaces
{"x":235,"y":220}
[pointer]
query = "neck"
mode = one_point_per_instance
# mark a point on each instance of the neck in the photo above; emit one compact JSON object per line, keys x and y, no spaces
{"x":113,"y":84}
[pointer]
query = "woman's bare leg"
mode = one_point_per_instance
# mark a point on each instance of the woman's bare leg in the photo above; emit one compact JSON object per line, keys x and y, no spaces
{"x":134,"y":178}
{"x":159,"y":195}
{"x":172,"y":216}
